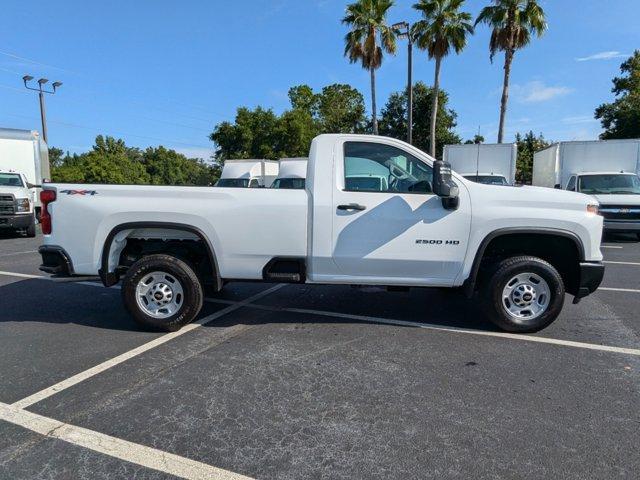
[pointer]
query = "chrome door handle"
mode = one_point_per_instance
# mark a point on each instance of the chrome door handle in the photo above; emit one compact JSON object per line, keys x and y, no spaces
{"x":352,"y":206}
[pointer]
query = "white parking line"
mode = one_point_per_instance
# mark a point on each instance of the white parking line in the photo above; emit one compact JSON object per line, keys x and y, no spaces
{"x":23,"y":275}
{"x":17,"y":253}
{"x":609,"y":289}
{"x":610,"y":246}
{"x":115,"y":447}
{"x":430,"y":326}
{"x":82,"y":376}
{"x":622,"y":263}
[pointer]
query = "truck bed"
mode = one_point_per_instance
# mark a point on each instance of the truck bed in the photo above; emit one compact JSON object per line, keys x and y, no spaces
{"x":246,"y":227}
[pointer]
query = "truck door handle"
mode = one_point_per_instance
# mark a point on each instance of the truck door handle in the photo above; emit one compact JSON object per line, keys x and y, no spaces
{"x":352,"y":206}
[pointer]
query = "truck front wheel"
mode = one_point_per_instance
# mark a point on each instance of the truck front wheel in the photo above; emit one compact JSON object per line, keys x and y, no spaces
{"x":524,"y":294}
{"x":31,"y":229}
{"x":162,"y":292}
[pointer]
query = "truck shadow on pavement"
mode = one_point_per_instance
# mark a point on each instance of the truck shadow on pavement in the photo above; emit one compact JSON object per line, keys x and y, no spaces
{"x":68,"y":303}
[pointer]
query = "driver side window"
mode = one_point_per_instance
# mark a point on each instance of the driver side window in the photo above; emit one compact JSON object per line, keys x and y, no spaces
{"x":571,"y":186}
{"x":375,"y":167}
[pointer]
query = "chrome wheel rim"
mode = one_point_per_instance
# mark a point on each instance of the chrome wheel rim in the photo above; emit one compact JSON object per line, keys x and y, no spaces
{"x":159,"y":294}
{"x":526,"y":296}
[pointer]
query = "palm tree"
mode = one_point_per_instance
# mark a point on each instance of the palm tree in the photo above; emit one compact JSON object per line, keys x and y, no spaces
{"x":442,"y":28}
{"x":369,"y":38}
{"x":513,"y":22}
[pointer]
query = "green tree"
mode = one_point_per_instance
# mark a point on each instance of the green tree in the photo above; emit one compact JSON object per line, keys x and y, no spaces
{"x":168,"y":167}
{"x":393,"y":122}
{"x":443,"y":27}
{"x":303,"y":98}
{"x":341,"y":109}
{"x":368,"y":39}
{"x":56,"y":157}
{"x":527,"y":146}
{"x":512,"y":23}
{"x":477,"y":139}
{"x":254,"y":134}
{"x":621,"y":119}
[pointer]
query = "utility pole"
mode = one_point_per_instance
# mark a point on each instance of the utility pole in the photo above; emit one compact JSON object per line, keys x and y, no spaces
{"x":403,"y":30}
{"x":41,"y":91}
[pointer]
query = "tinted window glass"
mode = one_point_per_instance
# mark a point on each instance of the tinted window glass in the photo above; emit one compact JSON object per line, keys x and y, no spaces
{"x":10,"y":180}
{"x":233,"y":182}
{"x":610,"y":184}
{"x":572,"y":184}
{"x":289,"y":183}
{"x":374,"y":167}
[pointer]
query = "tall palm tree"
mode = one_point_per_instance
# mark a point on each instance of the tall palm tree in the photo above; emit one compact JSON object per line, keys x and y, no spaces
{"x":443,"y":27}
{"x":368,"y":39}
{"x":512,"y":23}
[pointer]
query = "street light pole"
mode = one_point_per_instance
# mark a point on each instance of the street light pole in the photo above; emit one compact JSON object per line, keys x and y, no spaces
{"x":403,"y":30}
{"x":41,"y":91}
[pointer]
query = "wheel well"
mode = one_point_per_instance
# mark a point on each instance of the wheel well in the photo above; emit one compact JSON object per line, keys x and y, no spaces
{"x":128,"y":243}
{"x":560,"y":251}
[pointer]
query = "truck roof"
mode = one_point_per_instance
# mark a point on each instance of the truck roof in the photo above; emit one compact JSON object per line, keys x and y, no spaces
{"x":16,"y":134}
{"x":588,"y":142}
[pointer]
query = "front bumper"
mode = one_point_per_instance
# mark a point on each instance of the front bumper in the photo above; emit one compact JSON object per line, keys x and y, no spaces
{"x":15,"y":221}
{"x":591,"y":274}
{"x":55,"y":261}
{"x":622,"y":226}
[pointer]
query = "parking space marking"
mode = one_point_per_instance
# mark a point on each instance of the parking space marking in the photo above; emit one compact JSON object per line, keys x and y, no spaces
{"x":440,"y":328}
{"x":611,"y":246}
{"x":115,"y":447}
{"x":609,"y":289}
{"x":622,"y":263}
{"x":17,"y":253}
{"x":82,"y":376}
{"x":22,"y":275}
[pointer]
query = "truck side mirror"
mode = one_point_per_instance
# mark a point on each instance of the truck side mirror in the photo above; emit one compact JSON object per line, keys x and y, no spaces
{"x":31,"y":185}
{"x":444,"y":186}
{"x":557,"y":186}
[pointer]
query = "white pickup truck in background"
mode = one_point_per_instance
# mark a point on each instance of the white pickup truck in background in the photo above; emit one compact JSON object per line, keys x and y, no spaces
{"x":517,"y":250}
{"x":606,"y":169}
{"x":17,"y":205}
{"x":492,"y":164}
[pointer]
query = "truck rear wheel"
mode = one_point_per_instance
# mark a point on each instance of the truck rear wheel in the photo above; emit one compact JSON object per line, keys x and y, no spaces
{"x":162,"y":292}
{"x":524,"y":294}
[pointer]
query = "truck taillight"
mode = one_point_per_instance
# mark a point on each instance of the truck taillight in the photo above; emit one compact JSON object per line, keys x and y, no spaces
{"x":46,"y":197}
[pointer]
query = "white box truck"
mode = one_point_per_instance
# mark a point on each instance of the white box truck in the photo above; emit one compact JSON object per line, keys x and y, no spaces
{"x":24,"y":164}
{"x":606,"y":169}
{"x":292,"y":174}
{"x":248,"y":173}
{"x":492,"y":164}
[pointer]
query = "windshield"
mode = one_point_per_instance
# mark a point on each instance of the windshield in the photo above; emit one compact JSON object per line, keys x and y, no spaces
{"x":233,"y":182}
{"x":488,"y":179}
{"x":289,"y":183}
{"x":612,"y":184}
{"x":10,"y":180}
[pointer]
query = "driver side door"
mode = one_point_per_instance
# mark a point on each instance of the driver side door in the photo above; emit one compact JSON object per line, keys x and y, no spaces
{"x":388,"y":226}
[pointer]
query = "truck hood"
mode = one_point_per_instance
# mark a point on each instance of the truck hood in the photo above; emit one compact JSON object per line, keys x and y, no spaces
{"x":631,"y":200}
{"x":527,"y":196}
{"x":18,"y":192}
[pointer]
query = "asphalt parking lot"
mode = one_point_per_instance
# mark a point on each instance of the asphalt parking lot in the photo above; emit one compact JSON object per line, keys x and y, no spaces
{"x":296,"y":382}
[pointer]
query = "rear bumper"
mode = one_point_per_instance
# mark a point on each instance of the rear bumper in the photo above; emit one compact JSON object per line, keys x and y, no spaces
{"x":15,"y":221}
{"x":591,"y":274}
{"x":622,"y":226}
{"x":55,"y":261}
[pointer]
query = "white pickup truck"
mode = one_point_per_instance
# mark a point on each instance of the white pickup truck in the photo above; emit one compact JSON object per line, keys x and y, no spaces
{"x":516,"y":249}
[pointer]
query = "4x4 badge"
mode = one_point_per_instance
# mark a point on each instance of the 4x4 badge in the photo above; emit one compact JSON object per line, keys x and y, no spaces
{"x":79,"y":192}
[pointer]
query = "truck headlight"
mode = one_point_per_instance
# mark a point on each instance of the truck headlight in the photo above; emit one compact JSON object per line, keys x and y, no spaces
{"x":22,"y":205}
{"x":593,"y":208}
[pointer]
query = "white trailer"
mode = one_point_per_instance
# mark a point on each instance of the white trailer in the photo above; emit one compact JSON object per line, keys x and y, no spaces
{"x":25,"y":152}
{"x":292,"y":174}
{"x":493,"y":164}
{"x":248,"y":173}
{"x":606,"y":169}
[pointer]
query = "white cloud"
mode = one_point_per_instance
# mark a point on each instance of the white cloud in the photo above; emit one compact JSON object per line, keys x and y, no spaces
{"x":603,"y":56}
{"x":536,"y":92}
{"x":575,"y":119}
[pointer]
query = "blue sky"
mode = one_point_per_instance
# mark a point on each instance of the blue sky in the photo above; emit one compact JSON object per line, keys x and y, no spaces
{"x":165,"y":72}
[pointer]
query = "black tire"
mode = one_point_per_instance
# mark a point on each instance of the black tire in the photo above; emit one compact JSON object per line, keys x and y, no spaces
{"x":506,"y":270}
{"x":638,"y":236}
{"x":192,"y":300}
{"x":31,"y":229}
